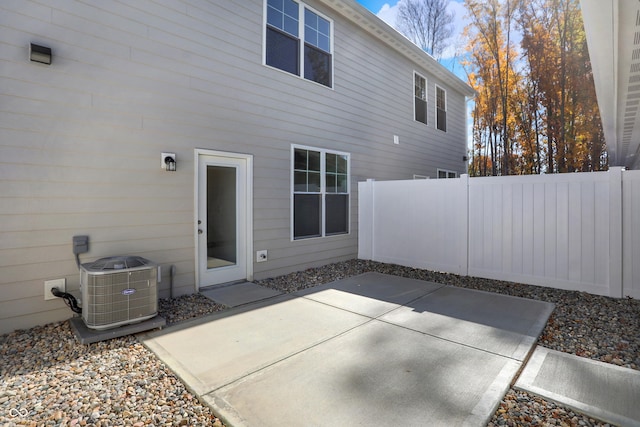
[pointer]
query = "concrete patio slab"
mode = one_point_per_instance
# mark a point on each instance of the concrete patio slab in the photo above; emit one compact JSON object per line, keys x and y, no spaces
{"x":239,"y":294}
{"x":377,"y":374}
{"x":370,"y":294}
{"x":501,"y":324}
{"x":330,"y":355}
{"x":602,"y":390}
{"x":215,"y":350}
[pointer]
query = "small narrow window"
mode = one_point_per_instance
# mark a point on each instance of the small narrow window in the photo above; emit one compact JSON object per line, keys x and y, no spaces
{"x":441,"y":109}
{"x":420,"y":98}
{"x":443,"y":173}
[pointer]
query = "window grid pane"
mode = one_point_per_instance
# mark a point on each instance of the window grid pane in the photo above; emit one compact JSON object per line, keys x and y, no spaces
{"x":283,"y":14}
{"x":307,"y":174}
{"x":441,"y":109}
{"x":420,"y":88}
{"x":316,"y":30}
{"x":336,"y":170}
{"x":441,"y":98}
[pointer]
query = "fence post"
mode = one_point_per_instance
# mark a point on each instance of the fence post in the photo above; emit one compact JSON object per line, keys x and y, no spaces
{"x":464,"y":238}
{"x":365,"y":220}
{"x":615,"y":232}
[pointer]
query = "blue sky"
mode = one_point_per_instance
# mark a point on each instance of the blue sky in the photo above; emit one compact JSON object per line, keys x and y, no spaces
{"x":387,"y":11}
{"x":375,"y":5}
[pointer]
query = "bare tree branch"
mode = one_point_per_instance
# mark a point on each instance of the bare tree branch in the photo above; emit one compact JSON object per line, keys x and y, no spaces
{"x":427,"y":23}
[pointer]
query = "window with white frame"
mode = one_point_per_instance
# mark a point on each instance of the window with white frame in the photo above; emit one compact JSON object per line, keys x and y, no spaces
{"x":320,"y":205}
{"x":294,"y":31}
{"x":443,"y":173}
{"x":420,"y":98}
{"x":441,"y":109}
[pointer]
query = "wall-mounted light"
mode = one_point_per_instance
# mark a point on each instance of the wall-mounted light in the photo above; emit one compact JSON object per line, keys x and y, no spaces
{"x":40,"y":54}
{"x":168,"y":161}
{"x":465,"y":159}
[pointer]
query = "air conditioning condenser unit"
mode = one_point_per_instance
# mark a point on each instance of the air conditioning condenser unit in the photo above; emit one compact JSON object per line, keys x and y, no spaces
{"x":116,"y":291}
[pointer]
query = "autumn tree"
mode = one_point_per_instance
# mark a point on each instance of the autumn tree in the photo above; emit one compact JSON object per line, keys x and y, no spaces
{"x":562,"y":89}
{"x":491,"y":57}
{"x":536,"y":109}
{"x":427,"y":23}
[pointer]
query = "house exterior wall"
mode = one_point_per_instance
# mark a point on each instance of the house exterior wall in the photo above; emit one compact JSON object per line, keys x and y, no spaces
{"x":80,"y":139}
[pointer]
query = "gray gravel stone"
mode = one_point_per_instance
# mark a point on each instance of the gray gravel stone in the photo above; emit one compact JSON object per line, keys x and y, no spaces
{"x":49,"y":379}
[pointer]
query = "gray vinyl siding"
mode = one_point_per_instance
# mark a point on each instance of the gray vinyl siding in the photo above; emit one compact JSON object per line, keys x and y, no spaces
{"x":80,"y":140}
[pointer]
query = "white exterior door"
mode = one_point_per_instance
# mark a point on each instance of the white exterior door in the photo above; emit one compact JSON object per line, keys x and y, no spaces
{"x":223,"y":219}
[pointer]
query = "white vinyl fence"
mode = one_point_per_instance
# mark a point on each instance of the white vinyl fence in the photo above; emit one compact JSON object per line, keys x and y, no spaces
{"x":576,"y":231}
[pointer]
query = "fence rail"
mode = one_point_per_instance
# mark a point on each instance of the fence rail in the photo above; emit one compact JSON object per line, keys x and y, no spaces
{"x":569,"y":231}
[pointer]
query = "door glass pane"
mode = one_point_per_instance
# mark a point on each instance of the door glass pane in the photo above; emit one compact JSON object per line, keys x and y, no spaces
{"x":221,"y":216}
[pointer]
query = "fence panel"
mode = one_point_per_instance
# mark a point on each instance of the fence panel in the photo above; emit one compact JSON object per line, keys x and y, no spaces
{"x":419,"y":223}
{"x":576,"y":231}
{"x":548,"y":230}
{"x":631,"y":233}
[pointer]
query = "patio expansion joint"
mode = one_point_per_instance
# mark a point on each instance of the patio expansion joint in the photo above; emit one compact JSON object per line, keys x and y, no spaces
{"x":400,"y":305}
{"x":289,"y":356}
{"x":379,"y":319}
{"x":447,"y":339}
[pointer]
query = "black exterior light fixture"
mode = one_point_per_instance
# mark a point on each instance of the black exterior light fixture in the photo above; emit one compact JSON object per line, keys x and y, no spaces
{"x":168,"y":162}
{"x":41,"y":54}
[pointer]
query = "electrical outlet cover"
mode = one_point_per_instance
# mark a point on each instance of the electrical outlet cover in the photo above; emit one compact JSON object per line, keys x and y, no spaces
{"x":61,"y":284}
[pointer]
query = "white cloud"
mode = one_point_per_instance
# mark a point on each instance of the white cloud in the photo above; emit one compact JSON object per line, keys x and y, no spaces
{"x":460,"y":20}
{"x":388,"y":14}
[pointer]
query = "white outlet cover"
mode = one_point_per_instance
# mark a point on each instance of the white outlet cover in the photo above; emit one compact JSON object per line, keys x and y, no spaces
{"x":261,"y":256}
{"x":61,"y":284}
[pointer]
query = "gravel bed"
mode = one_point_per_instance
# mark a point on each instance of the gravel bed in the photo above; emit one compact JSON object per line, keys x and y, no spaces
{"x":47,"y":378}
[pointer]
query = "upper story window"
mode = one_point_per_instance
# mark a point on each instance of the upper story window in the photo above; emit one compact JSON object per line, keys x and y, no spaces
{"x":294,"y":31}
{"x":441,"y":109}
{"x":420,"y":98}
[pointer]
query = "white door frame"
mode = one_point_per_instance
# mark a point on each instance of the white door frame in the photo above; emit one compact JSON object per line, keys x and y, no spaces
{"x":248,"y":225}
